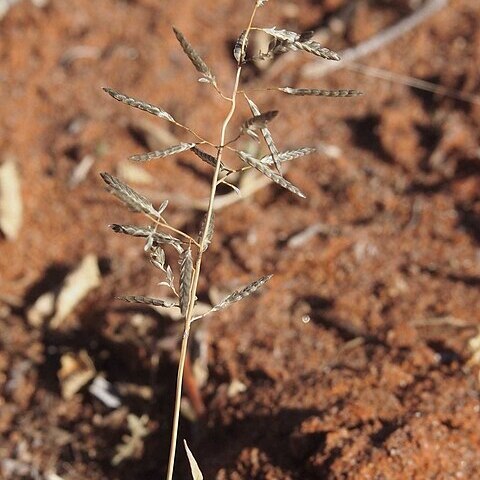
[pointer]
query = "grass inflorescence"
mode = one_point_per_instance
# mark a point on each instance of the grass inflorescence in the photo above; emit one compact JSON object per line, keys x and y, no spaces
{"x":160,"y":234}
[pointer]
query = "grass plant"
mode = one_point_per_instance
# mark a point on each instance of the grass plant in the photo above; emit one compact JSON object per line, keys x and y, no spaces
{"x":160,"y":234}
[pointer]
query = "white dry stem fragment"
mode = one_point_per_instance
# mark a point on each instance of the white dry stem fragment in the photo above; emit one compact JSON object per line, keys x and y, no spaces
{"x":266,"y":134}
{"x":186,"y":275}
{"x":320,"y":93}
{"x":76,"y":287}
{"x":146,"y":157}
{"x":209,"y":235}
{"x":155,"y":302}
{"x":140,"y":104}
{"x":195,"y":58}
{"x":77,"y":369}
{"x":195,"y":469}
{"x":288,"y":155}
{"x":262,"y":168}
{"x":134,"y":201}
{"x":11,"y":205}
{"x":130,"y":172}
{"x":102,"y":389}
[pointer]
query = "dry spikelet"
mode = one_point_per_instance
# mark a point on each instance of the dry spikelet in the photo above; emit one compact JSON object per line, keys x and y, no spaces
{"x":146,"y":232}
{"x":315,"y":48}
{"x":195,"y":58}
{"x":208,"y":237}
{"x":157,"y":258}
{"x":239,"y":51}
{"x":288,"y":155}
{"x":282,"y":34}
{"x":261,"y":3}
{"x":186,"y":274}
{"x":146,"y":157}
{"x":257,"y":122}
{"x":266,"y":135}
{"x":320,"y":93}
{"x":147,"y":107}
{"x":135,"y":201}
{"x":262,"y":168}
{"x":238,"y":295}
{"x":156,"y":302}
{"x":287,"y":40}
{"x":207,"y":158}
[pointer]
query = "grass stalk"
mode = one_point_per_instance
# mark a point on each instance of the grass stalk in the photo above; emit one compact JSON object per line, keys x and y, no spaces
{"x":198,"y":264}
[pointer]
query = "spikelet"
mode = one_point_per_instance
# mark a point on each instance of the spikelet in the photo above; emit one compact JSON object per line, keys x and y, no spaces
{"x":261,"y":3}
{"x":186,"y":274}
{"x":209,"y":235}
{"x":257,"y":122}
{"x":135,"y":201}
{"x":147,"y":107}
{"x":146,"y":157}
{"x":207,"y":158}
{"x":281,"y":34}
{"x":262,"y":168}
{"x":266,"y":135}
{"x":195,"y":58}
{"x":156,"y":302}
{"x":315,"y":48}
{"x":286,"y":40}
{"x":240,"y":50}
{"x":146,"y":232}
{"x":320,"y":93}
{"x":288,"y":155}
{"x":238,"y":295}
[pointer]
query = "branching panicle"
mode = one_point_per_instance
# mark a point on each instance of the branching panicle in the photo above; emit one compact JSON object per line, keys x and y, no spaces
{"x":188,"y":250}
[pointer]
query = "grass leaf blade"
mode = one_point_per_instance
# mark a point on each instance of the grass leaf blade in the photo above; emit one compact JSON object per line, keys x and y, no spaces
{"x":196,"y":473}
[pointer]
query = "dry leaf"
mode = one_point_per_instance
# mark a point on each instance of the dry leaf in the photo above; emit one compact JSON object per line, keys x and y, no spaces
{"x":75,"y":372}
{"x":76,"y":286}
{"x":11,"y":206}
{"x":132,"y":173}
{"x":196,"y":473}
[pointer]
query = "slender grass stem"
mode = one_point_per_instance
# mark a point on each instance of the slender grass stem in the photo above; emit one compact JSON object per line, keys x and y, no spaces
{"x":198,"y":264}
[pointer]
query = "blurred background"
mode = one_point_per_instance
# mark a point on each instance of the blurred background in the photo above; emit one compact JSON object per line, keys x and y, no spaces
{"x":359,"y":359}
